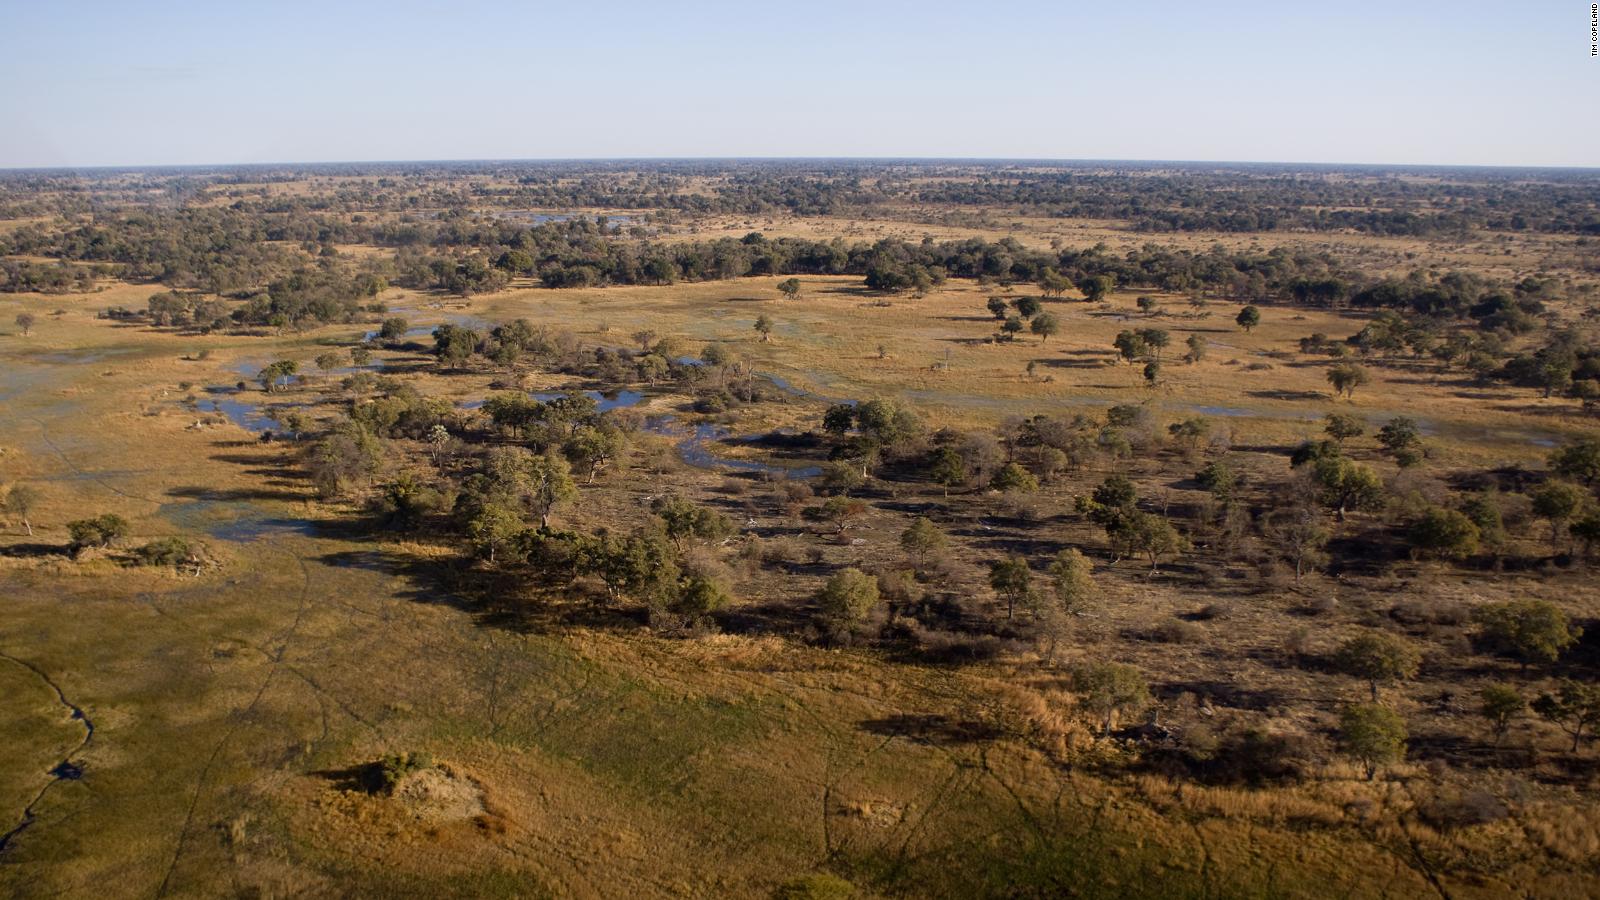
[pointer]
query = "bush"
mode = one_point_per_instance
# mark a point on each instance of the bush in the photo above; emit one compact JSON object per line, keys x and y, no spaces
{"x":167,"y":551}
{"x":392,"y":768}
{"x":1528,"y":630}
{"x":100,"y":531}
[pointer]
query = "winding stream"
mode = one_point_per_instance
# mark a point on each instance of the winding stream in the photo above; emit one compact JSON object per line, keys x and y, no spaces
{"x":66,"y":769}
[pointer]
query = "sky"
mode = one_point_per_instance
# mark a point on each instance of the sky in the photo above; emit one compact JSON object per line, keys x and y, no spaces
{"x":91,"y":83}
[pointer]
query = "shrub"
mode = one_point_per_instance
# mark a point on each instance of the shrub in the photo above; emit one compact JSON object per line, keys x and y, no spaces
{"x":1377,"y":658}
{"x":1528,"y":630}
{"x":848,"y":599}
{"x":100,"y":531}
{"x":392,"y":768}
{"x":167,"y":551}
{"x":1372,"y":735}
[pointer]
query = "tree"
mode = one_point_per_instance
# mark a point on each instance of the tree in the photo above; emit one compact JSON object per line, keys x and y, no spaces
{"x":1345,"y":378}
{"x":1557,"y":501}
{"x":1402,"y":439}
{"x":947,"y":468}
{"x":1345,"y":486}
{"x":1500,"y":704}
{"x":393,"y":329}
{"x":25,"y":321}
{"x":329,"y":361}
{"x":1072,"y":581}
{"x":839,"y":418}
{"x":998,"y":308}
{"x":1197,"y":349}
{"x":98,"y":532}
{"x":1108,"y":689}
{"x":1342,"y":427}
{"x":1026,"y":307}
{"x":1096,"y":287}
{"x":1575,"y":707}
{"x":923,"y":542}
{"x":494,"y":527}
{"x":277,"y":373}
{"x":1443,"y":534}
{"x":1012,"y":579}
{"x":1148,"y":305}
{"x":1373,"y":735}
{"x":1149,"y":534}
{"x":1298,"y":533}
{"x":1528,"y":630}
{"x":1012,"y":477}
{"x":1053,"y":283}
{"x":1248,"y":318}
{"x":19,"y":500}
{"x":763,"y":327}
{"x":1011,"y":327}
{"x":683,"y":519}
{"x":1579,"y":460}
{"x":789,"y":288}
{"x":1045,"y":325}
{"x":848,"y":599}
{"x":594,"y":446}
{"x":360,"y":356}
{"x":1377,"y":658}
{"x":1130,"y":345}
{"x":349,"y":454}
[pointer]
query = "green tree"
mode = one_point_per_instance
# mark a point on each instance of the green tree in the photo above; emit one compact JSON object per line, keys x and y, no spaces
{"x":1045,"y":325}
{"x":1197,"y":349}
{"x":1579,"y":460}
{"x":1011,"y":578}
{"x":493,"y":528}
{"x":923,"y":542}
{"x":1345,"y":378}
{"x":1557,"y":501}
{"x":848,"y":599}
{"x":393,"y":329}
{"x":763,"y":327}
{"x":1500,"y":705}
{"x":1345,"y":486}
{"x":99,"y":532}
{"x":684,"y":520}
{"x":1248,"y":318}
{"x":1443,"y":533}
{"x":1373,"y":735}
{"x":998,"y":308}
{"x":1130,"y":346}
{"x":947,"y":468}
{"x":1402,"y":439}
{"x":1377,"y":658}
{"x":1107,"y":690}
{"x":1341,"y":427}
{"x":1528,"y":630}
{"x":25,"y":321}
{"x":1096,"y":287}
{"x":789,"y":288}
{"x":1012,"y":477}
{"x":20,"y":500}
{"x":276,"y":374}
{"x":329,"y":361}
{"x":1072,"y":581}
{"x":1575,"y":707}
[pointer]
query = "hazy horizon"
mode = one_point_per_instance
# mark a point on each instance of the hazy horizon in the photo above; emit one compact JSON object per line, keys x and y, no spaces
{"x":294,"y":83}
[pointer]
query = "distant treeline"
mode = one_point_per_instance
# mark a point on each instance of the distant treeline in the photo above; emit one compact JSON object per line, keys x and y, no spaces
{"x":1149,"y":197}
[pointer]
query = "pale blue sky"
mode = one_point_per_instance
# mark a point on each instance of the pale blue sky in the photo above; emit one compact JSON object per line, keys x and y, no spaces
{"x":228,"y":81}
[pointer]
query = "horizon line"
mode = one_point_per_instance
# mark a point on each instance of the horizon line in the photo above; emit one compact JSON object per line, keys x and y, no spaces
{"x":922,"y":160}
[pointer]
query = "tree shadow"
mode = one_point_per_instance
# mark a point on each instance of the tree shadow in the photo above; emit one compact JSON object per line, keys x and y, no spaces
{"x":934,"y":729}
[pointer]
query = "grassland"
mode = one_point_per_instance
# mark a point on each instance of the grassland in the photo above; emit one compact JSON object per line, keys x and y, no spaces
{"x":232,"y":712}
